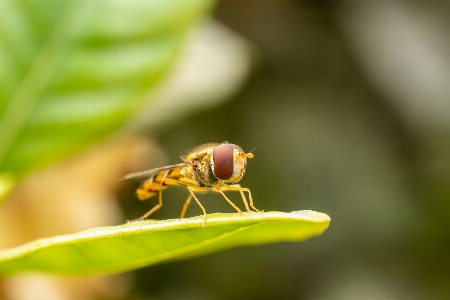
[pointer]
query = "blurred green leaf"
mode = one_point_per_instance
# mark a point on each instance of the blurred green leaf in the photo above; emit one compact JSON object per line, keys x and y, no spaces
{"x":73,"y":71}
{"x":138,"y":244}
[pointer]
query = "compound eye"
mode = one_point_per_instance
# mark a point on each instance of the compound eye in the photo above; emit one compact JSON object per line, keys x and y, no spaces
{"x":223,"y":161}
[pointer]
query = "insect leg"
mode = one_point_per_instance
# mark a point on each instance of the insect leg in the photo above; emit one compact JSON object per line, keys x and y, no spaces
{"x":219,"y":189}
{"x":160,"y":204}
{"x":185,"y":206}
{"x":242,"y":195}
{"x":201,"y":206}
{"x":226,"y":187}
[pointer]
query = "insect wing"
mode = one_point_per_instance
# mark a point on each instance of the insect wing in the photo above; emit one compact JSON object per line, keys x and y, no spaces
{"x":149,"y":173}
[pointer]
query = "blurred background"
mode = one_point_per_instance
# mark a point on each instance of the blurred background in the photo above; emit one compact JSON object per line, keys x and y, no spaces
{"x":347,"y":104}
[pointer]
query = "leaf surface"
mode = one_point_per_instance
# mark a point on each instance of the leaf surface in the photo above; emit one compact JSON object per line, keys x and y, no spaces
{"x":126,"y":247}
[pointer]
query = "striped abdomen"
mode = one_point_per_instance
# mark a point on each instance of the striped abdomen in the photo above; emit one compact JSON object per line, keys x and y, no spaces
{"x":153,"y":185}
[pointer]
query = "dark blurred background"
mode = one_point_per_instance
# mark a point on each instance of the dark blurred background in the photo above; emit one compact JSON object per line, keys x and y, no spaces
{"x":348,"y":107}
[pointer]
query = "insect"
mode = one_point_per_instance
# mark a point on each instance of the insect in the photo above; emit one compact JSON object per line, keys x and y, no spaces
{"x":209,"y":167}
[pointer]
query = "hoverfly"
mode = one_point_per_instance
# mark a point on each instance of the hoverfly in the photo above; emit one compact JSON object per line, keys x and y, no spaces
{"x":209,"y":167}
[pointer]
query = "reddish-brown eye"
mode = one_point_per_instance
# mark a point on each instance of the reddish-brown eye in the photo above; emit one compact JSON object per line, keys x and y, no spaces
{"x":223,"y":161}
{"x":237,"y":147}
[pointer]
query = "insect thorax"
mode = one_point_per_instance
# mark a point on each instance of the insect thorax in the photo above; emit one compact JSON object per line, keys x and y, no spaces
{"x":203,"y":173}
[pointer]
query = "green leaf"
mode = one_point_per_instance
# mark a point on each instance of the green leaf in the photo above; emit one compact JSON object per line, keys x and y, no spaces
{"x":73,"y":71}
{"x":138,"y":244}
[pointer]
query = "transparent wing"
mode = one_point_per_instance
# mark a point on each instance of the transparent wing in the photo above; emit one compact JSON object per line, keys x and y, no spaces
{"x":148,"y":173}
